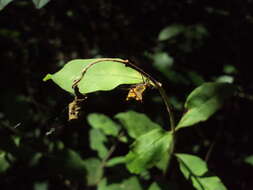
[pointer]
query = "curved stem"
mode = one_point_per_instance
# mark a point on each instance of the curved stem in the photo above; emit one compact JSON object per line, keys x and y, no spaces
{"x":157,"y":84}
{"x":162,"y":92}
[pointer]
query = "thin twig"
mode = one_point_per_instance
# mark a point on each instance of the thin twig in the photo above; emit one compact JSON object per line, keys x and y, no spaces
{"x":93,"y":63}
{"x":157,"y":84}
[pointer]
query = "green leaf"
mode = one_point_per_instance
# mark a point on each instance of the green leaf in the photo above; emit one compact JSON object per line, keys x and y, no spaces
{"x":136,"y":123}
{"x":106,"y":124}
{"x":154,"y":186}
{"x":97,"y":140}
{"x":204,"y":101}
{"x":94,"y":170}
{"x":148,"y":150}
{"x":129,"y":184}
{"x":115,"y":161}
{"x":195,"y":170}
{"x":4,"y":3}
{"x":170,"y":32}
{"x":103,"y":76}
{"x":40,"y":3}
{"x":4,"y":164}
{"x":249,"y":160}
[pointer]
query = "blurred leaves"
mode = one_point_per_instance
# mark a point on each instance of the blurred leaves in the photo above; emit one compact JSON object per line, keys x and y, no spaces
{"x":97,"y":142}
{"x":154,"y":186}
{"x":67,"y":162}
{"x":40,"y":3}
{"x":4,"y":164}
{"x":94,"y":170}
{"x":195,"y":170}
{"x":104,"y":123}
{"x":171,"y":31}
{"x":135,"y":123}
{"x":249,"y":160}
{"x":204,"y":101}
{"x":199,"y":42}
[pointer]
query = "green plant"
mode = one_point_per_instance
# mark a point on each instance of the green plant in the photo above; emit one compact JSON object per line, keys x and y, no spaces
{"x":152,"y":146}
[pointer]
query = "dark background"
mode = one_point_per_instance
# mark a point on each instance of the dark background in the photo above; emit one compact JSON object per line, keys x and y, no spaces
{"x":34,"y":42}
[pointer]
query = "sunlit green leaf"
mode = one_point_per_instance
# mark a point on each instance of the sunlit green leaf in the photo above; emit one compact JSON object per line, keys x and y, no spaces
{"x":148,"y":150}
{"x":204,"y":101}
{"x":135,"y":123}
{"x":4,"y":3}
{"x":195,"y":170}
{"x":40,"y":3}
{"x":106,"y":124}
{"x":170,"y":32}
{"x":97,"y":140}
{"x":94,"y":170}
{"x":103,"y":76}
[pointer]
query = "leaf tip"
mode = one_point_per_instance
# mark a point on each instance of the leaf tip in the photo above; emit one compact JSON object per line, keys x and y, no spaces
{"x":47,"y":77}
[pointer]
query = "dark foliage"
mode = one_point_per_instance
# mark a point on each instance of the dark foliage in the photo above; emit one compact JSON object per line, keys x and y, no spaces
{"x":35,"y":136}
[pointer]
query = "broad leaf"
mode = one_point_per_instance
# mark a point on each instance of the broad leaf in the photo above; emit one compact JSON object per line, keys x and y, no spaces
{"x":40,"y":3}
{"x":170,"y":32}
{"x":94,"y":170}
{"x":148,"y":150}
{"x":106,"y":124}
{"x":135,"y":123}
{"x":204,"y":101}
{"x":249,"y":160}
{"x":103,"y":76}
{"x":4,"y":3}
{"x":97,"y":140}
{"x":195,"y":170}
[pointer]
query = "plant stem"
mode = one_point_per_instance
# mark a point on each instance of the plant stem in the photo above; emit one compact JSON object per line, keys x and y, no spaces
{"x":157,"y":84}
{"x":162,"y":92}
